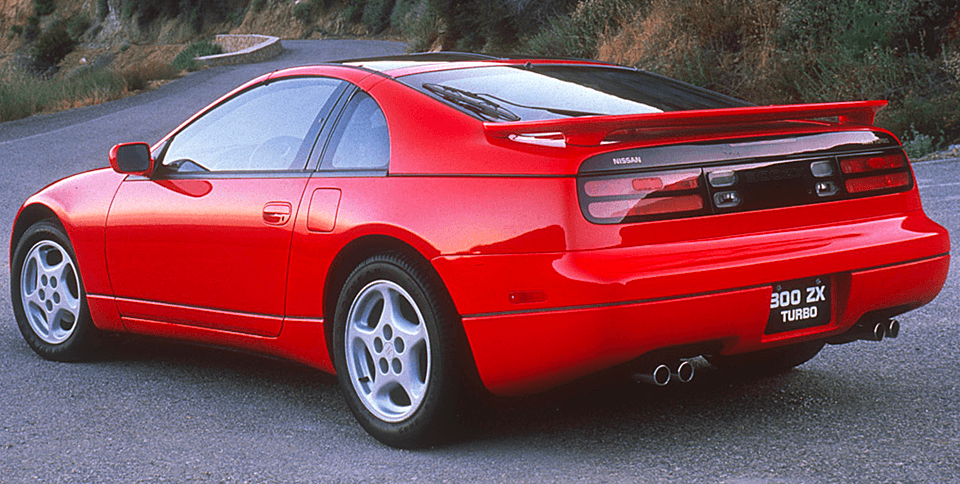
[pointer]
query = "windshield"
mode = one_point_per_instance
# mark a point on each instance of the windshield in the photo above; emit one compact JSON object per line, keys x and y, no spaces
{"x":537,"y":92}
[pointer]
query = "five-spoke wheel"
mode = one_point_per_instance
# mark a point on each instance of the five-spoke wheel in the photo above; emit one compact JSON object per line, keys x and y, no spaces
{"x":50,"y":292}
{"x":397,"y":347}
{"x":388,"y":351}
{"x":47,"y":294}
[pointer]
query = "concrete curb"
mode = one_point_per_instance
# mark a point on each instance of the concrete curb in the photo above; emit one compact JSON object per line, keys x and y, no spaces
{"x":243,"y":49}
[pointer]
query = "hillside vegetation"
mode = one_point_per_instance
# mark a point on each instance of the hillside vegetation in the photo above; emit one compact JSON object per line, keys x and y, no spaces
{"x":765,"y":51}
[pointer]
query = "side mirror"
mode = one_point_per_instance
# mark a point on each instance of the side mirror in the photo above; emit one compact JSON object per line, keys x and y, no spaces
{"x":132,"y":159}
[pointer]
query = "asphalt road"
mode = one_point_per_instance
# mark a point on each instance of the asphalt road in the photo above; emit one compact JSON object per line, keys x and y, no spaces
{"x":166,"y":412}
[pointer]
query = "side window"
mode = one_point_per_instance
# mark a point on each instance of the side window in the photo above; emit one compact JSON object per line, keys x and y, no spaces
{"x":263,"y":129}
{"x":361,"y":140}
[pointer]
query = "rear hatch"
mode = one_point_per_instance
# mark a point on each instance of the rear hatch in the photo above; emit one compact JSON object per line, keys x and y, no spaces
{"x":718,"y":161}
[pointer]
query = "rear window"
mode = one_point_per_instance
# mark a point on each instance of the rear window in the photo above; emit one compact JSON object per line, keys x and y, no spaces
{"x":538,"y":92}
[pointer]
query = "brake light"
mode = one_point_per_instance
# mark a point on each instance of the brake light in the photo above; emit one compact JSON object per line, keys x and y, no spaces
{"x":643,"y":196}
{"x":879,"y":182}
{"x":871,"y":173}
{"x":864,"y":164}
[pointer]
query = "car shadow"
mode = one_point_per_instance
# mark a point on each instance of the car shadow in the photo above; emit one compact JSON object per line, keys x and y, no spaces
{"x":608,"y":410}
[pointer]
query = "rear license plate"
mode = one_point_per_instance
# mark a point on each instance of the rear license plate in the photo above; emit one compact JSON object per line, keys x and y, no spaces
{"x":801,"y":303}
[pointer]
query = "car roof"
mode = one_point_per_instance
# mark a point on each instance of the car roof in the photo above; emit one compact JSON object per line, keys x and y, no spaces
{"x":406,"y":64}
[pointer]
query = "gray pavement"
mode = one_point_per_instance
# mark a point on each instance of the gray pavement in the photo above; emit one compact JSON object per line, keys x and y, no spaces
{"x":167,"y":412}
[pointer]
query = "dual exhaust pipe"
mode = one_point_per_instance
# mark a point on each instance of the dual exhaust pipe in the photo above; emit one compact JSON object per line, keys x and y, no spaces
{"x":869,"y":331}
{"x":661,"y":374}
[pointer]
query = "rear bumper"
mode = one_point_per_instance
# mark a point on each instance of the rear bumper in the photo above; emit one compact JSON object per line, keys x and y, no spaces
{"x":607,"y":307}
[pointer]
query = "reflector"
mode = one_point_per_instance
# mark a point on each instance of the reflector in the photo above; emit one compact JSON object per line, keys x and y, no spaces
{"x":879,"y":182}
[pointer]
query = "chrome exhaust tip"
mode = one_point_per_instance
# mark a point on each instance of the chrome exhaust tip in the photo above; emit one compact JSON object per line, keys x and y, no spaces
{"x":659,"y":376}
{"x":868,"y":331}
{"x":892,"y":328}
{"x":684,"y":372}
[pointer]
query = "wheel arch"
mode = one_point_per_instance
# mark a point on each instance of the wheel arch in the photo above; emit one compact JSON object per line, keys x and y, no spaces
{"x":29,"y":215}
{"x":349,"y":257}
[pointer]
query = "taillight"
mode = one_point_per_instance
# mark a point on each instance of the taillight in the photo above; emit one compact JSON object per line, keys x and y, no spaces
{"x":864,"y":164}
{"x":739,"y":186}
{"x":872,"y":173}
{"x":643,"y":196}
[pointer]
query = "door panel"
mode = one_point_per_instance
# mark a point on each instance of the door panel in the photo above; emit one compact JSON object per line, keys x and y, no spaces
{"x":219,"y":243}
{"x":206,"y":242}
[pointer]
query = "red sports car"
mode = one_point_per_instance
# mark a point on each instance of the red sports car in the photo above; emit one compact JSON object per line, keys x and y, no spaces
{"x":424,"y":225}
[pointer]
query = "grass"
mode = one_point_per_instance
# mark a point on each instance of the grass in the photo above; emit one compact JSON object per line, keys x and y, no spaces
{"x":23,"y":95}
{"x":137,"y":78}
{"x":186,"y":60}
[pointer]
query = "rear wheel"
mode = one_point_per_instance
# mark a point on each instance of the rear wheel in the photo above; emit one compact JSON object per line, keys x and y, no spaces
{"x":48,"y":297}
{"x":774,"y":360}
{"x":396,"y":340}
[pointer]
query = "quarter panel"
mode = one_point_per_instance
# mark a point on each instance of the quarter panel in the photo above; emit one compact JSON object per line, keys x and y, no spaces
{"x":434,"y":215}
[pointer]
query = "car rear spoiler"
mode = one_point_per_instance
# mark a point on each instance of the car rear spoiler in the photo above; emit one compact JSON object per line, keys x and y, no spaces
{"x":594,"y":130}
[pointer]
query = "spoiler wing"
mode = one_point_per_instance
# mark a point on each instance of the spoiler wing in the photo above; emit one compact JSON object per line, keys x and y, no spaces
{"x":593,"y":130}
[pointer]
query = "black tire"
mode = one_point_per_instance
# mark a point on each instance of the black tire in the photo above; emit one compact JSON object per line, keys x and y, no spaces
{"x":402,"y":370}
{"x":774,"y":360}
{"x":51,"y":310}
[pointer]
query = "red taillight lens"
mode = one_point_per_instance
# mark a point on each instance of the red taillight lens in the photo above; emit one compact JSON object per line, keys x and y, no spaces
{"x":865,"y":164}
{"x":879,"y":182}
{"x":870,"y":173}
{"x":643,"y":196}
{"x":643,"y":184}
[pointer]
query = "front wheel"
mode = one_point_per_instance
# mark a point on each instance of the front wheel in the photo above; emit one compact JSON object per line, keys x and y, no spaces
{"x":48,"y":297}
{"x":396,"y":341}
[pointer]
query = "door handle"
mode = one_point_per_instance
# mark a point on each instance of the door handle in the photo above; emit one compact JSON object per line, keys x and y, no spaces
{"x":277,"y":213}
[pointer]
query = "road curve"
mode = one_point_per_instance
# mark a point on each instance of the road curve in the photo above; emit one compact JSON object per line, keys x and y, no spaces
{"x":38,"y":150}
{"x":167,"y":412}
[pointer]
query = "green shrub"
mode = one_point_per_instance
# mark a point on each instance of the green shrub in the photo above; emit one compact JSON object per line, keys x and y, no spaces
{"x":353,"y":10}
{"x":194,"y":12}
{"x":186,"y":59}
{"x":405,"y":11}
{"x":103,"y":8}
{"x":257,"y":5}
{"x":376,"y":14}
{"x":78,"y":25}
{"x":578,"y":34}
{"x":303,"y":11}
{"x":195,"y":18}
{"x":44,"y":7}
{"x":917,"y":145}
{"x":420,"y":27}
{"x":52,"y":46}
{"x":16,"y":30}
{"x":32,"y":29}
{"x":236,"y":17}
